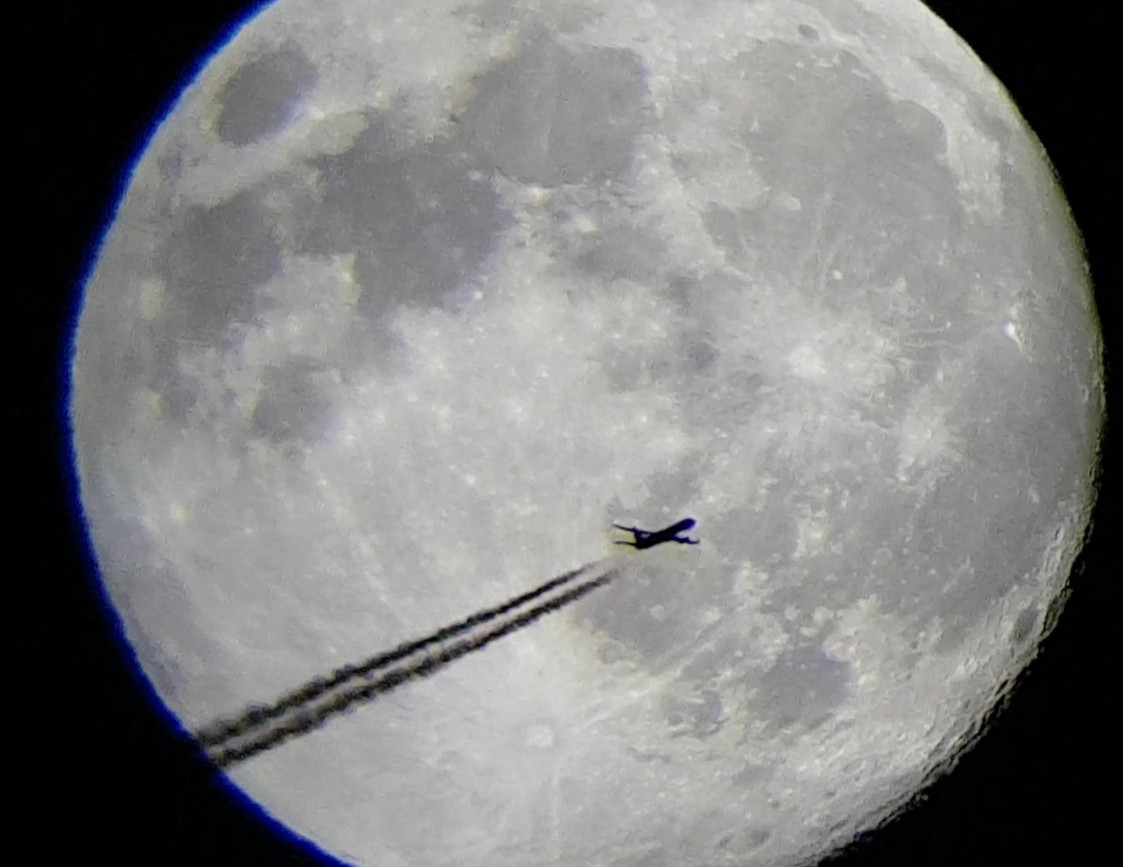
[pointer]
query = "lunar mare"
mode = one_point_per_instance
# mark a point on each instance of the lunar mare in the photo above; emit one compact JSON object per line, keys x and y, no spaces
{"x":403,"y":307}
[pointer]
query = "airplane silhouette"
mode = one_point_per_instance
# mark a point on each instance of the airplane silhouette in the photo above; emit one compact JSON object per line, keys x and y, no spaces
{"x":651,"y":538}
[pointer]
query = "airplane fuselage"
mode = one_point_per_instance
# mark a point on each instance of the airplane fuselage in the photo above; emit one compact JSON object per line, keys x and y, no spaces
{"x":651,"y":538}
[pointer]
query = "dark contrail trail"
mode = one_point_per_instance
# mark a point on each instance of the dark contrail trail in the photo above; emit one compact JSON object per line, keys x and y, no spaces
{"x":299,"y":711}
{"x":218,"y":732}
{"x":307,"y":718}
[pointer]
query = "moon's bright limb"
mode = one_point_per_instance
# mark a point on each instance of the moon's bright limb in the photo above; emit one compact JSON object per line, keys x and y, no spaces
{"x":404,"y":306}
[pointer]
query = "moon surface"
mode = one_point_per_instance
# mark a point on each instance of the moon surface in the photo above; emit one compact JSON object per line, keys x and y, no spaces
{"x":403,"y":306}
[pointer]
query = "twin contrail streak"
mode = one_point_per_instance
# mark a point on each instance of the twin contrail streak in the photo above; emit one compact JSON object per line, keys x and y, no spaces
{"x":310,"y":706}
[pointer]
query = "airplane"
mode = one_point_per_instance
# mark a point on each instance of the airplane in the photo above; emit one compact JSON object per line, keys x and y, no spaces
{"x":651,"y":538}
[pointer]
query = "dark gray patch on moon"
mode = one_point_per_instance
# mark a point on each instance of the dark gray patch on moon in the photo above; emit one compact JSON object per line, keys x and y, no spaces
{"x":628,"y":367}
{"x":566,"y":117}
{"x":621,"y":252}
{"x":293,"y":406}
{"x":1024,"y":626}
{"x":623,"y":367}
{"x":981,"y":114}
{"x":260,"y":98}
{"x":808,"y":32}
{"x":419,"y":218}
{"x":745,"y":841}
{"x":769,"y":533}
{"x":213,"y":264}
{"x":658,"y":611}
{"x":804,"y":687}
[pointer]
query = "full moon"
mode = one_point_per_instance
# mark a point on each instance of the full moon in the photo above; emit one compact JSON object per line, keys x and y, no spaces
{"x":404,"y":305}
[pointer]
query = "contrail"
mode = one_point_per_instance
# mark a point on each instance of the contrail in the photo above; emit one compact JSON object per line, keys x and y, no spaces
{"x":304,"y":719}
{"x":255,"y":716}
{"x":300,"y":711}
